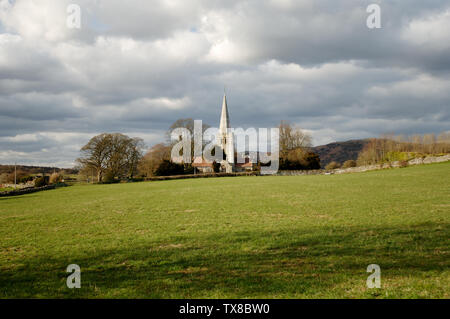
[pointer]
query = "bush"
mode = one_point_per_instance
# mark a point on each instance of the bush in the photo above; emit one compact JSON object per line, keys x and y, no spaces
{"x":332,"y":165}
{"x":41,"y":181}
{"x":349,"y":163}
{"x":109,"y":178}
{"x":398,"y":156}
{"x":168,"y":168}
{"x":216,"y":167}
{"x":18,"y":176}
{"x":55,"y":178}
{"x":188,"y":169}
{"x":3,"y":178}
{"x":298,"y":159}
{"x":25,"y":179}
{"x":403,"y":164}
{"x":311,"y":161}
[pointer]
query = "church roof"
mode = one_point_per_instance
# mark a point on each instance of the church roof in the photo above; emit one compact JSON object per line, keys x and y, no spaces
{"x":201,"y":162}
{"x":224,"y":118}
{"x":247,"y":163}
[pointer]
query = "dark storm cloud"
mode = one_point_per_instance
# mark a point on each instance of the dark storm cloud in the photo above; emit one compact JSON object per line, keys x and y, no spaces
{"x":137,"y":67}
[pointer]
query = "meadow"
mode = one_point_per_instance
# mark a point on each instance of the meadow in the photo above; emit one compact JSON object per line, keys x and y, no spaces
{"x":233,"y":237}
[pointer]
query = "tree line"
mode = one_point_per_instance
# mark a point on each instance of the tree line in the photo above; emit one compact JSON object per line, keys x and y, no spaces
{"x":389,"y":148}
{"x":110,"y":157}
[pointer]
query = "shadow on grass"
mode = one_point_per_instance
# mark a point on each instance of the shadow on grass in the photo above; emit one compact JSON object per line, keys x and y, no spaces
{"x":323,"y":261}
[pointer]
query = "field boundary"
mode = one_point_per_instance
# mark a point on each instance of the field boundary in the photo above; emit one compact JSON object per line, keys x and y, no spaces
{"x":27,"y":190}
{"x":207,"y":175}
{"x":358,"y":169}
{"x":366,"y":168}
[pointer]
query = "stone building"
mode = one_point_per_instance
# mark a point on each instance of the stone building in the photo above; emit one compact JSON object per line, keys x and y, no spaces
{"x":225,"y":140}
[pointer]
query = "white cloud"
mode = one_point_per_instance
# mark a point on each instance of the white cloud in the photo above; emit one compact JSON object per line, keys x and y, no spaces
{"x":422,"y":86}
{"x":20,"y":138}
{"x":138,"y":66}
{"x":430,"y":31}
{"x":7,"y":156}
{"x":36,"y":20}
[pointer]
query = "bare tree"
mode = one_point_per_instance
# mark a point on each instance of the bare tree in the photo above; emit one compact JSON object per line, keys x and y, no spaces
{"x":114,"y":153}
{"x":187,"y":123}
{"x":443,"y":142}
{"x":390,"y":148}
{"x":134,"y":154}
{"x":292,"y":137}
{"x":153,"y":158}
{"x":95,"y":154}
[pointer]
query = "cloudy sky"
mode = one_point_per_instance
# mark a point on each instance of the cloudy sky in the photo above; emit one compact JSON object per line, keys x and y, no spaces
{"x":136,"y":66}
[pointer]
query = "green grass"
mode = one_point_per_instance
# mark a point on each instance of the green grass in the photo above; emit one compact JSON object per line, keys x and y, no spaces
{"x":240,"y":237}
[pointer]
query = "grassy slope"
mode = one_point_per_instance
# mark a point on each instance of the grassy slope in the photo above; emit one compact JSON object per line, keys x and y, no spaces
{"x":253,"y":237}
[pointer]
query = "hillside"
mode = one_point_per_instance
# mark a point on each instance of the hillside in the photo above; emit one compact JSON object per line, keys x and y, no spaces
{"x":339,"y":151}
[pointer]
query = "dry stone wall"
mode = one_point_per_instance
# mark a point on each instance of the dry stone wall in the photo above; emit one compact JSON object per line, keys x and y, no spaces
{"x":416,"y":161}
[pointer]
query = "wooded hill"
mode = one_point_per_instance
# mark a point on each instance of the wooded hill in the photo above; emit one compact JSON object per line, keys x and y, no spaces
{"x":339,"y":151}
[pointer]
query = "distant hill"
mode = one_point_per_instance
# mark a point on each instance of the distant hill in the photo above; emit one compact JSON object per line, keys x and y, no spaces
{"x":6,"y":169}
{"x":339,"y":151}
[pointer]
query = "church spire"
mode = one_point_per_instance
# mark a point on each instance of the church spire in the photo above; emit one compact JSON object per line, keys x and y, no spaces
{"x":224,"y":118}
{"x":225,"y":138}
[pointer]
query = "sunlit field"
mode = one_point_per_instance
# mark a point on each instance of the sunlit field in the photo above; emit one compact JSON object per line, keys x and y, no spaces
{"x":233,"y":237}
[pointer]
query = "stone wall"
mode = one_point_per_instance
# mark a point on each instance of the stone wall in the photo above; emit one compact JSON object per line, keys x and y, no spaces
{"x":416,"y":161}
{"x":24,"y":191}
{"x":201,"y":175}
{"x":294,"y":173}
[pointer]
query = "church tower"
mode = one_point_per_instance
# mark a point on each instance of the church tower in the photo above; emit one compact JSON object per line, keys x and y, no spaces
{"x":225,"y":138}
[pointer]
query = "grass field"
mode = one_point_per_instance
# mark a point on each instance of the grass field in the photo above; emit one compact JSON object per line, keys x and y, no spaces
{"x":240,"y":237}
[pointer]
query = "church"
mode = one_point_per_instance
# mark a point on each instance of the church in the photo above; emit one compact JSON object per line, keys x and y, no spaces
{"x":225,"y":140}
